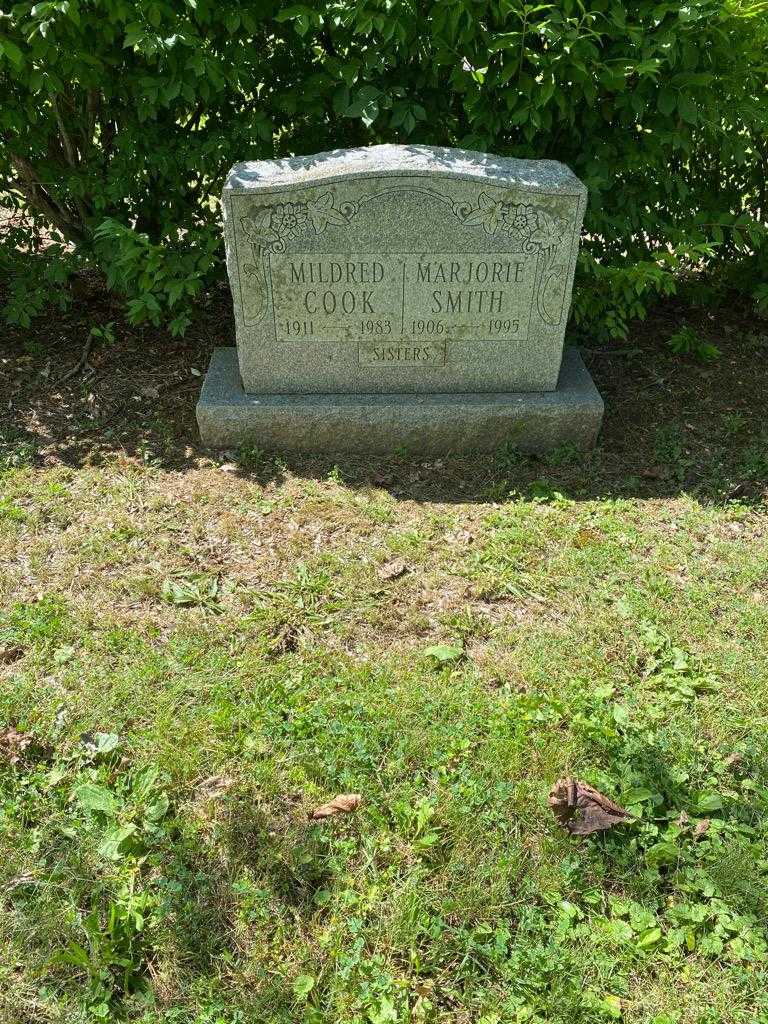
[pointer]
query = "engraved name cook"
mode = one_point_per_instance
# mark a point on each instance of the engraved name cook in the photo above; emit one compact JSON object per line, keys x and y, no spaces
{"x":400,"y":295}
{"x":401,"y":306}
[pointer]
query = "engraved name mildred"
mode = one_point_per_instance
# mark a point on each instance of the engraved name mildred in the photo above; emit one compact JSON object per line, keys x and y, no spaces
{"x":401,"y":295}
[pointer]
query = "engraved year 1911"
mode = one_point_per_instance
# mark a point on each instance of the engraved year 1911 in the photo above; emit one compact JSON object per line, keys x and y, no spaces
{"x":299,"y":328}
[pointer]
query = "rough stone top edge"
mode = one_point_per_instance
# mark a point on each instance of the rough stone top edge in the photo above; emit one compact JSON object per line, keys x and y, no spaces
{"x":392,"y":160}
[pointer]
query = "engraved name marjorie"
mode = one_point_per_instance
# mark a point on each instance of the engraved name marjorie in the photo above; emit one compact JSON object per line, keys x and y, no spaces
{"x":337,"y":287}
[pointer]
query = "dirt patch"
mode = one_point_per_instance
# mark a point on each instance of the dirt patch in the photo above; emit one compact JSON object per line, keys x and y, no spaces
{"x":671,"y":423}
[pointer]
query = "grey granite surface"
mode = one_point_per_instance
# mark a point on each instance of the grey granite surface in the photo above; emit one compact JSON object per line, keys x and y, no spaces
{"x":394,"y":159}
{"x":381,"y":424}
{"x":401,"y":269}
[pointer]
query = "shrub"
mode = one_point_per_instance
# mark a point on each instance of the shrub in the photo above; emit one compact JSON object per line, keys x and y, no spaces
{"x":120,"y":118}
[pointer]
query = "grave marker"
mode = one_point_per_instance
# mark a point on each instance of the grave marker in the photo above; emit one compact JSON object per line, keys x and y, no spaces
{"x":393,"y":271}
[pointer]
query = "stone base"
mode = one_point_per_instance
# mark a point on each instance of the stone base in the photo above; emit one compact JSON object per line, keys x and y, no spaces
{"x":380,"y":424}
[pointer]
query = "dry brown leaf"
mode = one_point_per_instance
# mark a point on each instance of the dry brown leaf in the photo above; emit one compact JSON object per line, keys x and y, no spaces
{"x":341,"y":804}
{"x":13,"y":744}
{"x":391,"y":570}
{"x":582,"y":810}
{"x":460,"y":537}
{"x":215,"y":786}
{"x":702,"y":827}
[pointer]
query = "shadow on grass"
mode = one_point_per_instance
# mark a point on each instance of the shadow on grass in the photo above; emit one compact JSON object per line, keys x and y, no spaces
{"x":230,"y":900}
{"x":672,"y":425}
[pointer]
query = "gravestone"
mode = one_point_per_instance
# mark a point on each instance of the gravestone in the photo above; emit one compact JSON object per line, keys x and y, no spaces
{"x":400,"y":296}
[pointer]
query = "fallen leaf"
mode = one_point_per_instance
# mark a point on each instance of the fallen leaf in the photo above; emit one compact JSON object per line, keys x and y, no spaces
{"x":13,"y":744}
{"x":583,"y":810}
{"x":342,"y":804}
{"x":460,"y":537}
{"x":702,"y":827}
{"x":215,"y":786}
{"x":391,"y":570}
{"x":444,"y":653}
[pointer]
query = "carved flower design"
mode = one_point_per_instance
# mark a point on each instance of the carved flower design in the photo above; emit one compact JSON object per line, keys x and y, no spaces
{"x":288,"y":218}
{"x":489,"y":213}
{"x":547,"y":231}
{"x":522,"y":219}
{"x":322,"y":212}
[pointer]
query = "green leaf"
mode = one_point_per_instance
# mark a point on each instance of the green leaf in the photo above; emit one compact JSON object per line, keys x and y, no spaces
{"x":63,"y":654}
{"x":101,"y":743}
{"x":96,"y":798}
{"x":112,"y":845}
{"x":612,"y":1006}
{"x":158,"y":808}
{"x":12,"y":52}
{"x":687,"y":108}
{"x":667,"y":101}
{"x":709,"y":802}
{"x":399,"y":112}
{"x":636,"y":796}
{"x":649,"y":938}
{"x":445,"y":652}
{"x":303,"y":985}
{"x":662,"y":855}
{"x":365,"y":105}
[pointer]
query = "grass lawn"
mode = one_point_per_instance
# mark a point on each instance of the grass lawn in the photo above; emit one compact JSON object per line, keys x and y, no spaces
{"x":196,"y":651}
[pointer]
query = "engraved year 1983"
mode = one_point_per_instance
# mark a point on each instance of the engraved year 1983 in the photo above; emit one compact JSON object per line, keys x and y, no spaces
{"x":375,"y":326}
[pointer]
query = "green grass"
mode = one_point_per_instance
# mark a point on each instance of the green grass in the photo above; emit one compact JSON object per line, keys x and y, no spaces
{"x":201,"y":657}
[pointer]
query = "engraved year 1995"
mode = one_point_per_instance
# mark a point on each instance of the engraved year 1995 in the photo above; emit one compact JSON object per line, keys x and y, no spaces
{"x":503,"y":326}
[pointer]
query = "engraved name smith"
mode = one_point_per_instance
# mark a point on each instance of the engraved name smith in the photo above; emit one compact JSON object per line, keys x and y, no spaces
{"x":400,"y":291}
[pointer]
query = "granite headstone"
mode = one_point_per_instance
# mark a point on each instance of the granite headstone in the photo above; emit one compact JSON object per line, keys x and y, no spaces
{"x":372,"y":285}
